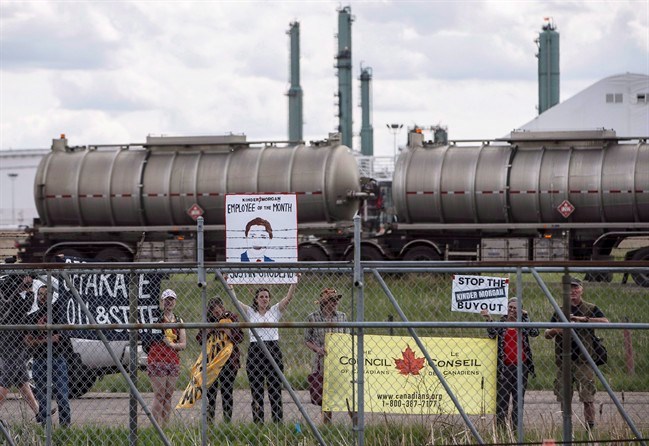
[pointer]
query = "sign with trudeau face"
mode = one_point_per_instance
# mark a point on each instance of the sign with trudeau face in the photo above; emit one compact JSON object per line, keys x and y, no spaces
{"x":195,"y":211}
{"x":261,"y":228}
{"x":566,"y":208}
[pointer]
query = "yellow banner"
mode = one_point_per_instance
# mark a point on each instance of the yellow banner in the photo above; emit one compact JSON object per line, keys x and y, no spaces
{"x":219,"y":349}
{"x":398,"y":379}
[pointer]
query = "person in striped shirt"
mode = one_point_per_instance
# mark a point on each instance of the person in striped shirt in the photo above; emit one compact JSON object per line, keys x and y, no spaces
{"x":314,"y":338}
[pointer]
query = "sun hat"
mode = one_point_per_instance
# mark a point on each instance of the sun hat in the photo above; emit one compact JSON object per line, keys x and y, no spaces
{"x":169,"y":293}
{"x":329,"y":294}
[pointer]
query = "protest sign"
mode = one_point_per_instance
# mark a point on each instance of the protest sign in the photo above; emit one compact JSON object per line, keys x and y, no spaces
{"x":398,"y":378}
{"x":106,"y":295}
{"x":261,"y":228}
{"x":472,"y":294}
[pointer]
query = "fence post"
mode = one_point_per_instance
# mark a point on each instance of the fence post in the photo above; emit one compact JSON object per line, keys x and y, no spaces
{"x":133,"y":360}
{"x":566,"y":362}
{"x":50,"y":354}
{"x":360,"y":316}
{"x":202,"y":284}
{"x":520,"y":388}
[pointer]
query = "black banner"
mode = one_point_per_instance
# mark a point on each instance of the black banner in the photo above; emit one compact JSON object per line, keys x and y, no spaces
{"x":106,"y":295}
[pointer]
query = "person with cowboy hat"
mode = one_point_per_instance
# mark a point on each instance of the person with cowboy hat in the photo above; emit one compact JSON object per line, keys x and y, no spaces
{"x":314,"y":338}
{"x":582,"y":373}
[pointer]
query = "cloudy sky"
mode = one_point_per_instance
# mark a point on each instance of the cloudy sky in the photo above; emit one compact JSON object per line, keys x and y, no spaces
{"x":107,"y":72}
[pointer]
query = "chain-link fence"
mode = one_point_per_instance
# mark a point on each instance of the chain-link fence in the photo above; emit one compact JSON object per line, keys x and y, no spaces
{"x":400,"y":354}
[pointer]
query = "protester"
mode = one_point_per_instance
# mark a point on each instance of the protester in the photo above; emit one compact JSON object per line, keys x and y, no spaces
{"x":164,"y":360}
{"x":30,"y":286}
{"x":582,"y":373}
{"x":61,"y":349}
{"x":216,"y":313}
{"x":258,"y":366}
{"x":14,"y":353}
{"x":508,"y":362}
{"x":314,"y":338}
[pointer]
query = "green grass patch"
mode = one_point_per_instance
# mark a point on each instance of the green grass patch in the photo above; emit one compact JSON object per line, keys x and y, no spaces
{"x":432,"y":432}
{"x":425,"y":297}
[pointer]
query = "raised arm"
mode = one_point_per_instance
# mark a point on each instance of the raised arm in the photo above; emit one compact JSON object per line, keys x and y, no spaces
{"x":283,"y":304}
{"x":245,"y":307}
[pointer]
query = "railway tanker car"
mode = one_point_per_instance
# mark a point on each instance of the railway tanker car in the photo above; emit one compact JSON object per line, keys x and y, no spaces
{"x":532,"y":196}
{"x":131,"y":202}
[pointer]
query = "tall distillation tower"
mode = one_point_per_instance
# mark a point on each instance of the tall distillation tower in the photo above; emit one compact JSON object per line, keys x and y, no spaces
{"x":548,"y":55}
{"x":295,"y":117}
{"x":344,"y":66}
{"x":367,"y":131}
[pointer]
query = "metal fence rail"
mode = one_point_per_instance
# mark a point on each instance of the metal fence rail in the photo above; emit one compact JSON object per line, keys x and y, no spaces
{"x":401,"y":366}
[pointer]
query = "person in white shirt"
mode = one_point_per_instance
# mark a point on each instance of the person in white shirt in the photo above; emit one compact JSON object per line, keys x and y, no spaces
{"x":258,"y":367}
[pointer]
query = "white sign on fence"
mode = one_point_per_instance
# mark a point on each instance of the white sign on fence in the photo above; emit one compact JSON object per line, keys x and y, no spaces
{"x":261,"y":228}
{"x":472,"y":294}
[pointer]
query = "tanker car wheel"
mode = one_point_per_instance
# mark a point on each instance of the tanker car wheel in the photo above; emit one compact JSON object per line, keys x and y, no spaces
{"x":641,"y":279}
{"x":113,"y":255}
{"x":312,"y":253}
{"x":419,"y":253}
{"x":368,"y":253}
{"x":599,"y":277}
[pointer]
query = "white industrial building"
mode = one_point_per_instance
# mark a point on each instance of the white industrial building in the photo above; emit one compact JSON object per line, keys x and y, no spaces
{"x":17,"y":173}
{"x":619,"y":102}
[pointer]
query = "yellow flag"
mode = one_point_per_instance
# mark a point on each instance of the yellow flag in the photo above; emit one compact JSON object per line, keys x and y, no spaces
{"x":219,"y":348}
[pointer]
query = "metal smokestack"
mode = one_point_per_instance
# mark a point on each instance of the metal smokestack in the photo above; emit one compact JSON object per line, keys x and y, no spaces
{"x":548,"y":55}
{"x":295,"y":117}
{"x":344,"y":66}
{"x":367,"y":131}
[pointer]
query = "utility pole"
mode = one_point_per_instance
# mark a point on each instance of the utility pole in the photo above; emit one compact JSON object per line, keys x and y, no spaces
{"x":394,"y":129}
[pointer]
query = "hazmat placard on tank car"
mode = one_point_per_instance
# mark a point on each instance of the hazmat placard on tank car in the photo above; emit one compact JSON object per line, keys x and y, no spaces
{"x":261,"y":228}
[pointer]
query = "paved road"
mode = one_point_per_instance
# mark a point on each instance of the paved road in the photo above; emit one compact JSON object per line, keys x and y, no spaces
{"x":541,"y":410}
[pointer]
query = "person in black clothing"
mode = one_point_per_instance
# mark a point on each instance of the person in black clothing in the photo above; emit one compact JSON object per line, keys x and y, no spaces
{"x":216,"y":313}
{"x":61,"y":349}
{"x":508,"y":362}
{"x":14,"y":354}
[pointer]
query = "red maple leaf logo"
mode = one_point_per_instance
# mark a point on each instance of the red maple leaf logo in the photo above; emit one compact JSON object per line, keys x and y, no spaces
{"x":410,"y":364}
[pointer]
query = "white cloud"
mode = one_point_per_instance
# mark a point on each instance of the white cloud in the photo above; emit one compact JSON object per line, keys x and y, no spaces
{"x":113,"y":72}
